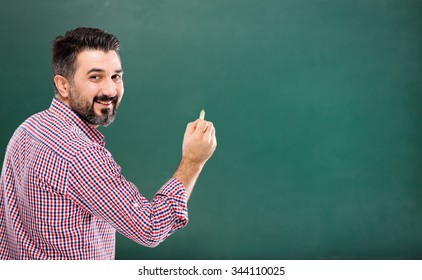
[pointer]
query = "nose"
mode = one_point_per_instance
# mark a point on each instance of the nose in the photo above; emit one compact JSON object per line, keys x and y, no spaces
{"x":109,"y":87}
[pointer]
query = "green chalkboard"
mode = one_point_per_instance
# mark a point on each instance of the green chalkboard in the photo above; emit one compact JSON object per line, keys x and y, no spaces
{"x":317,"y":106}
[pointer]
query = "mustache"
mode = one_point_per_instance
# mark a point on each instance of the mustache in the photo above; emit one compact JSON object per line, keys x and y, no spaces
{"x":105,"y":98}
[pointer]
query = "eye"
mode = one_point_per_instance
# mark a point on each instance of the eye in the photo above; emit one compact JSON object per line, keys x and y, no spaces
{"x":95,"y":77}
{"x":116,"y":77}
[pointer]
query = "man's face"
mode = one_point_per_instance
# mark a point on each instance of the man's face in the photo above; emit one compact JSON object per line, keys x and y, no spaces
{"x":97,"y":87}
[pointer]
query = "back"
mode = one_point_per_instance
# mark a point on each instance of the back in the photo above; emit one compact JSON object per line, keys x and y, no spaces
{"x":37,"y":220}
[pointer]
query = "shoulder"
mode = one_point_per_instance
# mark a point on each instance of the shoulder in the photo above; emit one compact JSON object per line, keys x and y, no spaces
{"x":63,"y":136}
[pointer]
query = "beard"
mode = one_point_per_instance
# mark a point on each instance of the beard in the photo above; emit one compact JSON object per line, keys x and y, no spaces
{"x":85,"y":108}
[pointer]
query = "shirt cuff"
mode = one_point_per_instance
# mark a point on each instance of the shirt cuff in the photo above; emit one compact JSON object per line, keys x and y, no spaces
{"x":175,"y":192}
{"x":173,"y":187}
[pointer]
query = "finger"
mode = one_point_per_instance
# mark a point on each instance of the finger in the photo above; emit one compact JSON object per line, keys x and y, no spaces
{"x":213,"y":131}
{"x":210,"y":129}
{"x":191,"y":127}
{"x":201,"y":126}
{"x":211,"y":134}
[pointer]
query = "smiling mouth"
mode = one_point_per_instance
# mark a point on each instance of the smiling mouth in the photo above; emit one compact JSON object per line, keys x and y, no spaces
{"x":104,"y":102}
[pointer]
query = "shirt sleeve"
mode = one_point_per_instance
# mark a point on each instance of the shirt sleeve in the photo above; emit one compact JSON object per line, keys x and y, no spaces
{"x":96,"y":183}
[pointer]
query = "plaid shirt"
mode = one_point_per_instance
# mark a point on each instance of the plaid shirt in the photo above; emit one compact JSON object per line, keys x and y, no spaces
{"x":62,"y":195}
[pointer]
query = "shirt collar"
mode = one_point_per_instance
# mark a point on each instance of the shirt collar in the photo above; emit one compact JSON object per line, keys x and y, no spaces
{"x":67,"y":114}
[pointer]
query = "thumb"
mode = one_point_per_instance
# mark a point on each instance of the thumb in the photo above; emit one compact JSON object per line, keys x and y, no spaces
{"x":201,"y":126}
{"x":191,"y":127}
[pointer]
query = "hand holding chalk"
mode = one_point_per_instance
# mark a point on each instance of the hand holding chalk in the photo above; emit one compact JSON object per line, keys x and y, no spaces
{"x":199,"y":141}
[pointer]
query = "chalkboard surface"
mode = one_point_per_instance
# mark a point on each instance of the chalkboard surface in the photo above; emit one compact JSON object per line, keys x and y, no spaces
{"x":317,"y":106}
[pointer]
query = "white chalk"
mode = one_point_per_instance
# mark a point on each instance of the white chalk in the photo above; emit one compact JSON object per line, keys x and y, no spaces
{"x":202,"y":114}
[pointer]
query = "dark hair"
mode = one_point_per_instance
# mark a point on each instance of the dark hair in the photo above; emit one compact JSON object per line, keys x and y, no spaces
{"x":65,"y":49}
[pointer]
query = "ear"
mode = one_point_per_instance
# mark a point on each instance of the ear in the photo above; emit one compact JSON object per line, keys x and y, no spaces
{"x":63,"y":86}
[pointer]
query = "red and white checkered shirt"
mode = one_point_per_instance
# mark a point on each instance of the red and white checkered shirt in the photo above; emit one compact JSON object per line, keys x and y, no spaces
{"x":62,"y":195}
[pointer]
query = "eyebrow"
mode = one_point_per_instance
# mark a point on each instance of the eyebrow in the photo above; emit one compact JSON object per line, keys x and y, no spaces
{"x":102,"y":70}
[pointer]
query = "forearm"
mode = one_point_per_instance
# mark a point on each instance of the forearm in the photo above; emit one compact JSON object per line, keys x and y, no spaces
{"x":187,"y":173}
